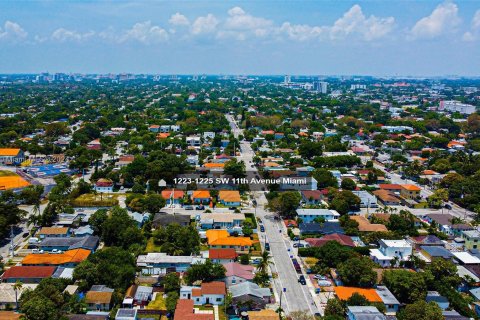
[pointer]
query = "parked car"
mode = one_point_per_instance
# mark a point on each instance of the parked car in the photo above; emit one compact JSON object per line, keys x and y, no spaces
{"x":200,"y":207}
{"x":301,"y":279}
{"x":262,"y":228}
{"x":56,"y":251}
{"x":26,"y":234}
{"x":188,"y":207}
{"x":319,"y":277}
{"x":267,"y":246}
{"x":37,"y":251}
{"x":447,"y":206}
{"x":298,"y":245}
{"x":324,"y":283}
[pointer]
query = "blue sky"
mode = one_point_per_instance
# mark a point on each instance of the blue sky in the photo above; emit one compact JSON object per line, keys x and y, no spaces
{"x":431,"y":38}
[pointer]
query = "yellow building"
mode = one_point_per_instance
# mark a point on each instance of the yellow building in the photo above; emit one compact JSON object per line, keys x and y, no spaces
{"x":410,"y":191}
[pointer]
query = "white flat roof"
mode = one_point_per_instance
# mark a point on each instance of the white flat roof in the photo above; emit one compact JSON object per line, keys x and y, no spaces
{"x":396,"y":243}
{"x":379,"y":255}
{"x":466,"y":258}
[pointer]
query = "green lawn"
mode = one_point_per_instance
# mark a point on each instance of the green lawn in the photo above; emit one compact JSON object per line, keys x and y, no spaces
{"x":151,"y":246}
{"x":158,"y":303}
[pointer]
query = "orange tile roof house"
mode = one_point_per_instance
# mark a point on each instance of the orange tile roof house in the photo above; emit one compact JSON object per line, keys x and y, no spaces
{"x":365,"y":226}
{"x":201,"y":196}
{"x":344,"y":293}
{"x":69,"y":258}
{"x":13,"y":181}
{"x":410,"y":191}
{"x":53,"y":232}
{"x":230,"y":198}
{"x":27,"y":274}
{"x":98,"y":300}
{"x":185,"y":311}
{"x":11,"y":156}
{"x":173,"y":196}
{"x":221,"y":239}
{"x":208,"y":293}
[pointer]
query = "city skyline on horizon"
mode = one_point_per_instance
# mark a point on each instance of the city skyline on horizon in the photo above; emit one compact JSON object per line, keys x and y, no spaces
{"x":360,"y":38}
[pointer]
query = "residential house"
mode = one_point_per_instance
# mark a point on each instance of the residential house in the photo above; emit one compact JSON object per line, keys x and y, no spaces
{"x":103,"y":185}
{"x":186,"y":310}
{"x":472,"y":239}
{"x":312,"y":197}
{"x":227,"y":221}
{"x":391,"y":251}
{"x":425,"y":240}
{"x":53,"y":232}
{"x":94,"y":145}
{"x":155,"y":263}
{"x":340,"y":238}
{"x":438,"y":299}
{"x":201,"y":197}
{"x":99,"y":298}
{"x":163,"y":219}
{"x":229,"y":198}
{"x":410,"y":191}
{"x":173,"y":196}
{"x":142,"y":296}
{"x":309,"y":215}
{"x":250,"y":293}
{"x":237,"y":273}
{"x":443,"y":221}
{"x":435,"y":252}
{"x":208,"y":293}
{"x":367,"y":200}
{"x":69,"y":258}
{"x":387,"y":198}
{"x":221,"y":239}
{"x":27,"y":274}
{"x":465,"y":258}
{"x":7,"y":297}
{"x":344,"y":293}
{"x":11,"y":156}
{"x":365,"y":226}
{"x":222,"y":256}
{"x":392,"y":305}
{"x":71,"y":243}
{"x":364,"y":313}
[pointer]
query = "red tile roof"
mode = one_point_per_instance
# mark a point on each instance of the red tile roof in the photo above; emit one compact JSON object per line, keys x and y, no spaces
{"x":215,"y":287}
{"x":185,"y":311}
{"x":389,"y":186}
{"x":222,"y":253}
{"x":27,"y":272}
{"x":340,"y":238}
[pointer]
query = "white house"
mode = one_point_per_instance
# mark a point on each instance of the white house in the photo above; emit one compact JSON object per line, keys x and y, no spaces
{"x":389,"y":250}
{"x":366,"y":199}
{"x":209,"y":293}
{"x":309,"y":215}
{"x":194,"y":141}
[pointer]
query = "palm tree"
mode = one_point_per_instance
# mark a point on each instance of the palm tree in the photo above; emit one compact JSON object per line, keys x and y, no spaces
{"x":17,"y":286}
{"x":266,"y":261}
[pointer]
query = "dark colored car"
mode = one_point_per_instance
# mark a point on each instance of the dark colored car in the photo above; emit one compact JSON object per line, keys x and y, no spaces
{"x":262,"y":229}
{"x":447,"y":206}
{"x":26,"y":234}
{"x":267,"y":246}
{"x":301,"y":279}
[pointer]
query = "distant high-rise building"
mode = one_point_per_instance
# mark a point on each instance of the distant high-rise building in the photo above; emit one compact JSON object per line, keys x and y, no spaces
{"x":320,"y":86}
{"x":456,"y":106}
{"x":358,"y":87}
{"x":286,"y":79}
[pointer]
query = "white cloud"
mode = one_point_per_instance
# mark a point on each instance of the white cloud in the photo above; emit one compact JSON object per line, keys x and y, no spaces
{"x":12,"y":31}
{"x":207,"y":24}
{"x":178,"y":19}
{"x":63,"y":35}
{"x":474,"y":32}
{"x":443,"y":19}
{"x":301,"y":32}
{"x":145,"y":33}
{"x":354,"y":21}
{"x":241,"y":25}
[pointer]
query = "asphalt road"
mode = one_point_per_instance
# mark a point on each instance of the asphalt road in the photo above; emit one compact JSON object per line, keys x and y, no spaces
{"x":297,"y":297}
